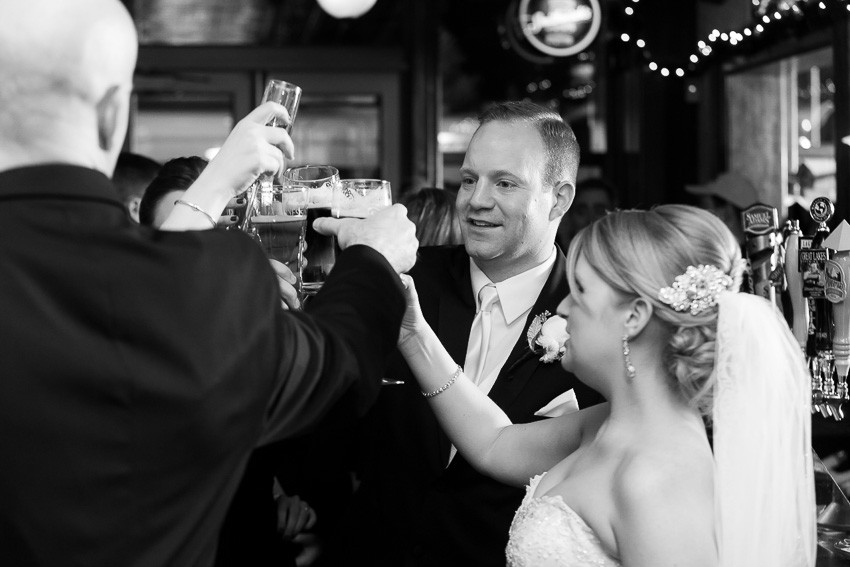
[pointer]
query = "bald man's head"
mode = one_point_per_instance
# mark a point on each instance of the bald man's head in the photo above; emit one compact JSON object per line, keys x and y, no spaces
{"x":66,"y":72}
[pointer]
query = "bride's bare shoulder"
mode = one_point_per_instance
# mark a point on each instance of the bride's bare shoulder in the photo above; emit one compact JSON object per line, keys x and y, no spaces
{"x":665,"y":506}
{"x":665,"y":468}
{"x":675,"y":473}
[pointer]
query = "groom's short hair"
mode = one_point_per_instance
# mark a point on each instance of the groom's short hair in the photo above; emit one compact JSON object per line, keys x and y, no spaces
{"x":562,"y":149}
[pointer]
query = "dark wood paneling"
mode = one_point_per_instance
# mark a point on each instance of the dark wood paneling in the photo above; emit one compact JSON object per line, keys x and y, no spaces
{"x":220,"y":58}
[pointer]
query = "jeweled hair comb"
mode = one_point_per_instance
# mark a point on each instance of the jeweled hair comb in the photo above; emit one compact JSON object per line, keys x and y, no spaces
{"x":696,"y":290}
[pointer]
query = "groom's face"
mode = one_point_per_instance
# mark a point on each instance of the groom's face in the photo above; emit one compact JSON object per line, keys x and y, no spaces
{"x":503,"y":204}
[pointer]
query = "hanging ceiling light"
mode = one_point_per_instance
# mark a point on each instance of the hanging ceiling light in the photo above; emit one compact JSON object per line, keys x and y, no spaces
{"x":346,"y":8}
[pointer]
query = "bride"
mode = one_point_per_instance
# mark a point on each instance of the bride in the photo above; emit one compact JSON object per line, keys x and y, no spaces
{"x":654,"y":325}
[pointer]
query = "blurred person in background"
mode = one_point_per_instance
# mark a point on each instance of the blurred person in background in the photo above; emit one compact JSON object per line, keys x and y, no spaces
{"x":594,"y":198}
{"x":433,"y":212}
{"x":133,"y":173}
{"x":169,"y":185}
{"x":727,"y":196}
{"x":799,"y":209}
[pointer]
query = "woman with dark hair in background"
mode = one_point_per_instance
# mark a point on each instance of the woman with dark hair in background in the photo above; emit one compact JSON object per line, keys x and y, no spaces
{"x":433,"y":212}
{"x":168,"y":186}
{"x":594,"y":198}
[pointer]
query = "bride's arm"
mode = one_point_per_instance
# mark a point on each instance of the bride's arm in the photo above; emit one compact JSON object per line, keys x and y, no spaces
{"x":478,"y":427}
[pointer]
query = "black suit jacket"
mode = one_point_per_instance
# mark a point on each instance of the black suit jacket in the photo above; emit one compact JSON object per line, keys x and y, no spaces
{"x":423,"y":513}
{"x":139,"y":368}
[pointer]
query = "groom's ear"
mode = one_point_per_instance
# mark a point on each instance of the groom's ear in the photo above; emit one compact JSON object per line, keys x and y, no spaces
{"x":638,"y":314}
{"x":565,"y":192}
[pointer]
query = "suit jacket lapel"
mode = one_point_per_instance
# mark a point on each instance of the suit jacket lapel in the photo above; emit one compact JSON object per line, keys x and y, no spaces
{"x":456,"y":312}
{"x":522,"y":363}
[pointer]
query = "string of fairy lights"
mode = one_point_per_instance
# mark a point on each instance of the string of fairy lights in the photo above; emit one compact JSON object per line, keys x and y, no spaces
{"x":769,"y":16}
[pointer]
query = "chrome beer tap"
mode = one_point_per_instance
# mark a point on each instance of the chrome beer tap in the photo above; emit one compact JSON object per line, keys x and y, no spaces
{"x":837,"y":272}
{"x":793,"y":277}
{"x":814,"y":255}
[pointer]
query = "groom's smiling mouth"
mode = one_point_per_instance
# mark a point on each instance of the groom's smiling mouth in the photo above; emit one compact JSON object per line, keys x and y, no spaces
{"x":482,"y":223}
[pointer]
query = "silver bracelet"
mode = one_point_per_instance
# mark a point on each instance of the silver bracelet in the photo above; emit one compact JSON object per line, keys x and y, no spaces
{"x":197,"y":208}
{"x":445,"y":386}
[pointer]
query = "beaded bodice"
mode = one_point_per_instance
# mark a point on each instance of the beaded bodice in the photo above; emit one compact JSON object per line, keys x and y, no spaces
{"x":546,"y":532}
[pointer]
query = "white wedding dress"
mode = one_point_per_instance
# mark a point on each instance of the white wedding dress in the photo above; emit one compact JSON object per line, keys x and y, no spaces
{"x":546,"y":532}
{"x":763,"y":474}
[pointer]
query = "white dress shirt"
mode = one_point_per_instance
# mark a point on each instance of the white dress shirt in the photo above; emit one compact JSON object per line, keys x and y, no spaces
{"x":517,"y":296}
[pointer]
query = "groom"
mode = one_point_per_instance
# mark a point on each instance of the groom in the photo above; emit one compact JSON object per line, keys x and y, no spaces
{"x":420,"y":503}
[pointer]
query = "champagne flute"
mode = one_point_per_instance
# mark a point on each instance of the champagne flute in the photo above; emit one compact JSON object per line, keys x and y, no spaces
{"x":288,"y":95}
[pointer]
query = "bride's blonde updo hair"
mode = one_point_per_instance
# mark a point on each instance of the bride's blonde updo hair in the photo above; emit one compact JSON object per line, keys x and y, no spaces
{"x":640,"y":252}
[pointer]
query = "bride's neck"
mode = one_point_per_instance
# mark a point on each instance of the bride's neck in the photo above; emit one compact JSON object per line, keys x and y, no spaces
{"x":650,"y":394}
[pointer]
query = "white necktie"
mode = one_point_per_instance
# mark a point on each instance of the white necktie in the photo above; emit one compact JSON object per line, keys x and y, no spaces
{"x":479,"y":334}
{"x":479,"y":341}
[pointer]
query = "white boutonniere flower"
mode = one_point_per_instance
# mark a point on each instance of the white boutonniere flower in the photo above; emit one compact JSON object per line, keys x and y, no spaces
{"x":547,"y":335}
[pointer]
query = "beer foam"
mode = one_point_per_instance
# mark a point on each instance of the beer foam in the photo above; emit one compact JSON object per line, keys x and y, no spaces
{"x":320,"y":196}
{"x":375,"y":200}
{"x":362,"y":205}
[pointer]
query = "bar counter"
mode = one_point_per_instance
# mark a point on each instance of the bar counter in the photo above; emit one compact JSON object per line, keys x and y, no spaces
{"x":828,"y":554}
{"x":830,"y":435}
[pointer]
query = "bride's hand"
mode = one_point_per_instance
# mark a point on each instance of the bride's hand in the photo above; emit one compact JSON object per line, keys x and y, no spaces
{"x":413,"y":319}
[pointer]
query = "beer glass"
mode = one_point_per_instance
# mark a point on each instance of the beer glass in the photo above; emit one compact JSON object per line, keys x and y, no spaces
{"x":279,"y":220}
{"x":286,"y":94}
{"x":319,"y":182}
{"x":361,"y":198}
{"x":289,"y":96}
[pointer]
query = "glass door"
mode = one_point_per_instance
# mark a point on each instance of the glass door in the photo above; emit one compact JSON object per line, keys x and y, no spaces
{"x":781,"y":126}
{"x":185,"y":114}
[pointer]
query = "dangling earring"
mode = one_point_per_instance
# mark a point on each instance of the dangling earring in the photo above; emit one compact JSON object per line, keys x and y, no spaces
{"x":630,"y":369}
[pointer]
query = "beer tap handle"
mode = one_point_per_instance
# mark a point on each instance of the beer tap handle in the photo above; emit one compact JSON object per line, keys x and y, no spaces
{"x":837,"y":271}
{"x":761,"y":226}
{"x":799,"y":305}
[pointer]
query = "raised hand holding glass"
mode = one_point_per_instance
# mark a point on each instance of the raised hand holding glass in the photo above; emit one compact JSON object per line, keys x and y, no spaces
{"x":289,"y":96}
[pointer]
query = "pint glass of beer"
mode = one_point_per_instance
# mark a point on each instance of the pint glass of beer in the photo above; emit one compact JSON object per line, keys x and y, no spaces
{"x":319,"y":181}
{"x":279,"y":219}
{"x":361,"y":198}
